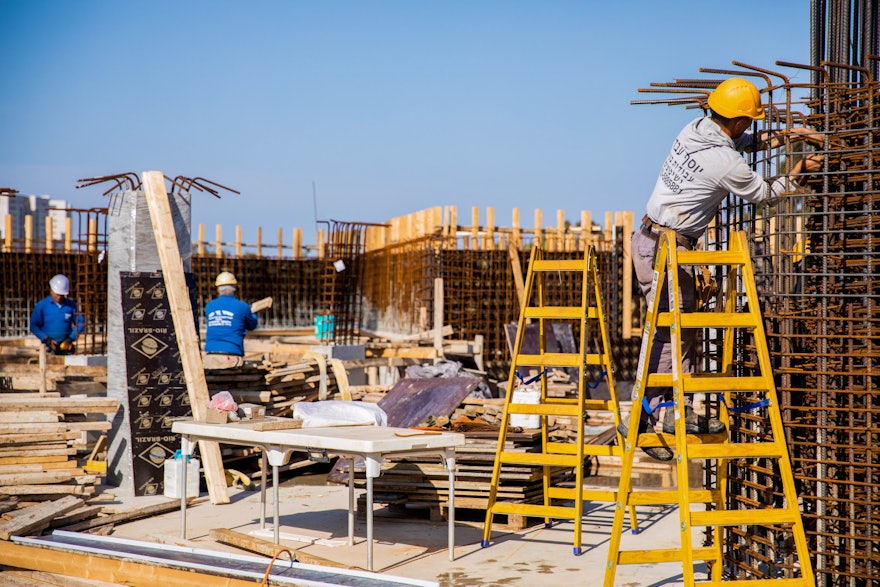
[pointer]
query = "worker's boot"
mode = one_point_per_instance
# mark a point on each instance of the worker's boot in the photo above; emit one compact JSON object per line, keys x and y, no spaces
{"x":693,"y":423}
{"x":660,"y":453}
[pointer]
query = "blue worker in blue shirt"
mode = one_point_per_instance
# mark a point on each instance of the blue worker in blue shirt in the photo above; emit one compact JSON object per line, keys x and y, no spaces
{"x":229,"y":319}
{"x":54,"y":319}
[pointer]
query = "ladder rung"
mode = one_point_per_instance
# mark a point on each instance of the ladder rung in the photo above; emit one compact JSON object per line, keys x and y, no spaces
{"x":763,"y":517}
{"x":654,"y":439}
{"x":587,"y":493}
{"x":665,"y":555}
{"x":593,"y":450}
{"x":796,"y":581}
{"x":668,"y":496}
{"x":541,"y":459}
{"x":535,"y":510}
{"x":558,"y":265}
{"x":596,"y":405}
{"x":559,"y":312}
{"x":711,"y":258}
{"x":544,"y":409}
{"x":753,"y":450}
{"x":553,"y":360}
{"x":711,"y":382}
{"x":709,"y":320}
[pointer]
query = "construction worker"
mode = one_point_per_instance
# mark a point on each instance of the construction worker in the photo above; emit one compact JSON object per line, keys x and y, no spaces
{"x":229,"y":319}
{"x":704,"y":166}
{"x":55,"y":320}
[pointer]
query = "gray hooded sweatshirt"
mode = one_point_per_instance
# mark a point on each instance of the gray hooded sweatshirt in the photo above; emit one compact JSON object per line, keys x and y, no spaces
{"x":703,"y":166}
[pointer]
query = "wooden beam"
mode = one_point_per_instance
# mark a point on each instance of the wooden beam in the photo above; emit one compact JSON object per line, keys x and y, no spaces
{"x":266,"y":548}
{"x":184,"y":326}
{"x":37,"y":517}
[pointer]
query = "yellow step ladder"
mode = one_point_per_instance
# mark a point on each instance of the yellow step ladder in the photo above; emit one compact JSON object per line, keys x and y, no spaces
{"x":737,"y":312}
{"x":542,"y":281}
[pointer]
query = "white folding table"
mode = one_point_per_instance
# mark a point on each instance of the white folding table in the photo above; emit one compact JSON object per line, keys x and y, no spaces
{"x":373,"y":443}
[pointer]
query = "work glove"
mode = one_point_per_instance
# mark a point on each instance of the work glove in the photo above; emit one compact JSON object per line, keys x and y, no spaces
{"x":65,"y":346}
{"x":51,"y":343}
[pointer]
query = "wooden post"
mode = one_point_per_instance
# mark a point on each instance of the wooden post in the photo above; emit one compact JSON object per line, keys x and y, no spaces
{"x":200,"y":246}
{"x":475,"y":228}
{"x":297,"y":243}
{"x":219,"y":244}
{"x":68,"y":234}
{"x":538,"y":230}
{"x":515,"y":267}
{"x":586,"y":230}
{"x":280,"y":243}
{"x":320,"y":243}
{"x":93,"y":235}
{"x":438,"y":316}
{"x":8,"y":232}
{"x":49,"y":236}
{"x":560,"y":230}
{"x":516,"y":238}
{"x":28,"y":233}
{"x":609,"y":230}
{"x":260,"y":242}
{"x":626,"y":324}
{"x":489,"y":241}
{"x":184,"y":326}
{"x":238,"y":240}
{"x":453,"y":225}
{"x":42,"y":368}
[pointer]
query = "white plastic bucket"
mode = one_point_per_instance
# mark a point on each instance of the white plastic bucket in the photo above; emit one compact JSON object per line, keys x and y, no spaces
{"x":173,"y":470}
{"x":526,"y":396}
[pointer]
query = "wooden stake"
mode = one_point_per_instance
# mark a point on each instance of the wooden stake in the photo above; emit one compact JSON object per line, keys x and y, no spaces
{"x":626,"y":325}
{"x":184,"y":326}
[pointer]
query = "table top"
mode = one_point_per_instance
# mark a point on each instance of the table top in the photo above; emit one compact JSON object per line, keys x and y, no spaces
{"x":353,"y":439}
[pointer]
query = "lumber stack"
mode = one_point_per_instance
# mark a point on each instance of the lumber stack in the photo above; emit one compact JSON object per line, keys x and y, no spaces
{"x":275,"y":385}
{"x":40,"y":436}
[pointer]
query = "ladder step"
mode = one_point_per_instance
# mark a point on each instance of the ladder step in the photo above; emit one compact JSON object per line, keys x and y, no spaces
{"x":669,"y":496}
{"x":665,"y":555}
{"x":593,"y":450}
{"x":751,"y":450}
{"x":535,"y":510}
{"x":762,"y":517}
{"x":711,"y":258}
{"x":540,"y":459}
{"x":558,"y":265}
{"x":558,"y":360}
{"x":709,"y":320}
{"x":653,"y":439}
{"x":711,"y":382}
{"x":587,"y":493}
{"x":797,"y":581}
{"x":544,"y":409}
{"x":559,"y":312}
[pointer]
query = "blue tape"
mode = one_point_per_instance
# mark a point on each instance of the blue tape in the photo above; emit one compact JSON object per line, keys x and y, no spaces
{"x":753,"y":406}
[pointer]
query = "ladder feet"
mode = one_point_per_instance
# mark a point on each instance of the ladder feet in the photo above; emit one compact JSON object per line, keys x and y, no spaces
{"x":635,"y":531}
{"x":578,"y":550}
{"x":484,"y":543}
{"x":548,"y":524}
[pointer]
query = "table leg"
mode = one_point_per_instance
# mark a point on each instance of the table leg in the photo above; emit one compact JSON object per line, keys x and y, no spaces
{"x":275,"y":499}
{"x":369,"y":523}
{"x":181,"y":486}
{"x":351,"y":501}
{"x":450,"y":465}
{"x":264,"y":468}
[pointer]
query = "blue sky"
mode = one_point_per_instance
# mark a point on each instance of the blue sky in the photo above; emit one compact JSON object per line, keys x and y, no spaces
{"x":386,"y":106}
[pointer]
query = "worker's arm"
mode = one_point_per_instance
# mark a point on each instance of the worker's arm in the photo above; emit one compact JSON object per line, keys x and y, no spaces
{"x":773,"y":139}
{"x":37,"y":324}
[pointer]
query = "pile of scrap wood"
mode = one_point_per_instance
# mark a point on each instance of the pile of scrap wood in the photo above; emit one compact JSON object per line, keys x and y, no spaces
{"x":40,"y":435}
{"x":278,"y":385}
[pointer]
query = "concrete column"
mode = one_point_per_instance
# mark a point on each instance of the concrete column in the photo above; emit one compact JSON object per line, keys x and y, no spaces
{"x":132,"y":247}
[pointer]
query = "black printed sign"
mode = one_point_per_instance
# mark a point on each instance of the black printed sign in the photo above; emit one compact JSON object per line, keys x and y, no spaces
{"x":156,"y":383}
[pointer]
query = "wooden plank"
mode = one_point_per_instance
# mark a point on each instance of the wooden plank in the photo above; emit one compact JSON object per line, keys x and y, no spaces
{"x":38,"y":517}
{"x":184,"y":327}
{"x":63,"y":405}
{"x":34,"y":478}
{"x":266,"y":548}
{"x":127,"y":516}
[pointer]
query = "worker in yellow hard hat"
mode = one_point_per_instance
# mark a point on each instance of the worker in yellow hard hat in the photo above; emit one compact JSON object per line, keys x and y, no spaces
{"x":228,"y":320}
{"x":704,"y":165}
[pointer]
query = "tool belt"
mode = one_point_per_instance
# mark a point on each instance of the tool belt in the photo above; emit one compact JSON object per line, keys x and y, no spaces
{"x":682,"y":240}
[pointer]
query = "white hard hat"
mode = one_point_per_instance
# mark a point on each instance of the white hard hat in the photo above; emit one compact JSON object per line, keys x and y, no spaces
{"x":60,"y":285}
{"x":225,"y":278}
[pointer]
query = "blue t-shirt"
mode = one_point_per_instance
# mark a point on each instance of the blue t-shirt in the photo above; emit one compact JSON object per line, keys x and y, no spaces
{"x":228,"y":320}
{"x":56,"y":321}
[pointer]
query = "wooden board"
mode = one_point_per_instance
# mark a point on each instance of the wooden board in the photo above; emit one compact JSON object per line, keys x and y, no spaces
{"x":184,"y":326}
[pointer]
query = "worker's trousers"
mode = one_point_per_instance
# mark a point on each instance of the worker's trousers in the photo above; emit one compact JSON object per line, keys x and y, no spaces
{"x":644,"y":253}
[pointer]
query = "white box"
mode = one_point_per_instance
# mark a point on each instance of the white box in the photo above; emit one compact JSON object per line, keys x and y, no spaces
{"x":173,"y":470}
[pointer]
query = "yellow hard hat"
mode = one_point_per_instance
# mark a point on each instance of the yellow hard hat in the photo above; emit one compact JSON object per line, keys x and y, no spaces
{"x":225,"y":278}
{"x":736,"y":97}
